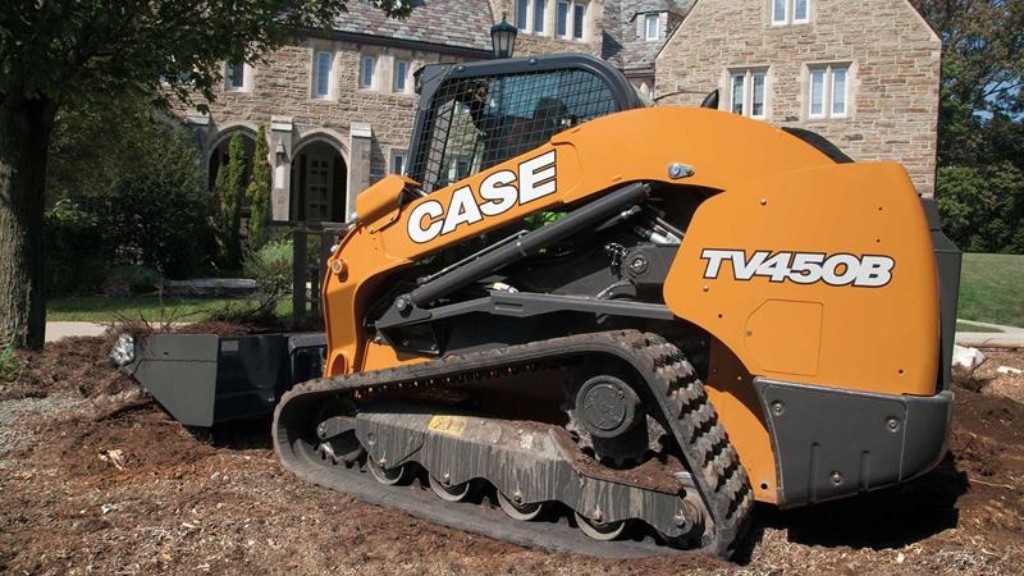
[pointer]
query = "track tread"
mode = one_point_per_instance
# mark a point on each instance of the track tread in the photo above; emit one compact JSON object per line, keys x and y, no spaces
{"x":671,"y":379}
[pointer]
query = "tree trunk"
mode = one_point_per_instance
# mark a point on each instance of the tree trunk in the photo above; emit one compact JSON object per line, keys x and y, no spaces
{"x":25,"y":127}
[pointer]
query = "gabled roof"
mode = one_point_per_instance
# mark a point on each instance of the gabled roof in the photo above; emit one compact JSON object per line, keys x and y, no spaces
{"x":680,"y":7}
{"x":458,"y":23}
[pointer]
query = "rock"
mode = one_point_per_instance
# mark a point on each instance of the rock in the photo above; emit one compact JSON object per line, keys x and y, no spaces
{"x":211,"y":287}
{"x":967,"y":358}
{"x":1009,"y":370}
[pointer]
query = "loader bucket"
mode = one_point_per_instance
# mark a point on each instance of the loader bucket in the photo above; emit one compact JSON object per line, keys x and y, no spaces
{"x":203,"y":379}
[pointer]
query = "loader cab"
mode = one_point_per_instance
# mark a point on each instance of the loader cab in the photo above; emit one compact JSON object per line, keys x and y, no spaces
{"x":474,"y":116}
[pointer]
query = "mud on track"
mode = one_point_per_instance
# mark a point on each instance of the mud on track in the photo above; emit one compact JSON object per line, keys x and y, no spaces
{"x":161,"y":500}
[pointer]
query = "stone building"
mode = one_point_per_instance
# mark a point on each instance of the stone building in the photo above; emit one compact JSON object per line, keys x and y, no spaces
{"x":339,"y":107}
{"x":636,"y":32}
{"x":863,"y":74}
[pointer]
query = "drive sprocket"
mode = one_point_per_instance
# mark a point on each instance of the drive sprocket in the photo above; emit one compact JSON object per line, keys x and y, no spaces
{"x":609,"y":421}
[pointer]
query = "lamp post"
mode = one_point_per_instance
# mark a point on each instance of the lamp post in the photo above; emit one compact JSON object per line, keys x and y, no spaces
{"x":503,"y":38}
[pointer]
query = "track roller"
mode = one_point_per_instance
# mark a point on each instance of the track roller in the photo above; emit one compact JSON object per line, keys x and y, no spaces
{"x":387,"y":476}
{"x":524,"y":512}
{"x":603,"y":531}
{"x":456,"y":493}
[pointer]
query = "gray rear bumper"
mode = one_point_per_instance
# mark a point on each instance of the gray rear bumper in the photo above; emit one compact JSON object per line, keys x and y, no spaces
{"x":830,"y":443}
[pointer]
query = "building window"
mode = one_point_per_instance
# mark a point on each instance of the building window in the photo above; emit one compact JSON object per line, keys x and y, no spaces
{"x":539,"y":12}
{"x":562,"y":19}
{"x":570,"y":17}
{"x":790,"y":12}
{"x":235,"y":76}
{"x":828,"y":91}
{"x":579,"y":16}
{"x":531,"y":16}
{"x":401,"y":72}
{"x":748,"y":92}
{"x":323,"y":62}
{"x":398,"y":159}
{"x":367,"y":71}
{"x":522,"y":19}
{"x":652,"y":26}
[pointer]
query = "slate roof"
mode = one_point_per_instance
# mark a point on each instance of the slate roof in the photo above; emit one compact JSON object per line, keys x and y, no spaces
{"x":621,"y":44}
{"x":461,"y":23}
{"x":681,"y":7}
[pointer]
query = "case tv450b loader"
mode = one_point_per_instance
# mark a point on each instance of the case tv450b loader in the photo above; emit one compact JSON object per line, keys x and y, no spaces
{"x":581,"y":319}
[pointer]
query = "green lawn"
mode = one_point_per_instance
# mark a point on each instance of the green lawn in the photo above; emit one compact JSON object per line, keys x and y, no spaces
{"x":967,"y":327}
{"x":992,"y":289}
{"x":102,"y":309}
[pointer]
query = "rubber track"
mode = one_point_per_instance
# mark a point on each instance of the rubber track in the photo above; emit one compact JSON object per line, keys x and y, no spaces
{"x":671,"y":379}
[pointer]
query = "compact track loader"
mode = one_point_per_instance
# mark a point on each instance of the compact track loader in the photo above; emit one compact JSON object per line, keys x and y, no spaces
{"x":579,"y":319}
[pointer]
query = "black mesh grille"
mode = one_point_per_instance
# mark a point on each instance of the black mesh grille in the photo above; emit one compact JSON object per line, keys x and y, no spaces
{"x":478,"y":122}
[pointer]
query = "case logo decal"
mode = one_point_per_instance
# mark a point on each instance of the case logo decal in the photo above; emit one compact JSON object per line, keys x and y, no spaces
{"x":499,"y":192}
{"x":842,"y":269}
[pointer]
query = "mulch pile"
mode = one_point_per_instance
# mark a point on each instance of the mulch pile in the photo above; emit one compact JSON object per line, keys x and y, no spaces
{"x":116,"y":486}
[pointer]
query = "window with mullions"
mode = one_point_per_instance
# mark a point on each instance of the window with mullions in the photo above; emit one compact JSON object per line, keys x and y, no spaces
{"x":828,"y":91}
{"x":570,"y":16}
{"x":786,"y":12}
{"x":748,"y":93}
{"x":477,"y":123}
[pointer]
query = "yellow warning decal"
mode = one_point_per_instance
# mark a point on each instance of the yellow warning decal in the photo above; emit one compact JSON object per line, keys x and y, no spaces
{"x":450,"y":425}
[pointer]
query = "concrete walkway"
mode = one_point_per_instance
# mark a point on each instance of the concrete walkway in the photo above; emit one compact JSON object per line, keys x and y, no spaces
{"x":57,"y":330}
{"x":1007,"y":335}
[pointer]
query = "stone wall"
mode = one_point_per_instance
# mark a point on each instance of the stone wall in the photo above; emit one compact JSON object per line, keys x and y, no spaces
{"x":529,"y":44}
{"x":279,"y":96}
{"x":892,"y":53}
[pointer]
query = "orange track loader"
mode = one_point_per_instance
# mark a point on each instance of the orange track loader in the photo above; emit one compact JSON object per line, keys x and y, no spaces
{"x":580,"y":319}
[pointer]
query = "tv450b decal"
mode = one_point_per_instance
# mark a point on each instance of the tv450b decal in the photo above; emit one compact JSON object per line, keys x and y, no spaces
{"x":868,"y":271}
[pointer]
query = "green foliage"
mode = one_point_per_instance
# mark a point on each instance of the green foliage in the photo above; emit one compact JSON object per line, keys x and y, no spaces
{"x":10,"y":368}
{"x":982,"y":208}
{"x":229,"y":188}
{"x":271,"y":267}
{"x":56,"y":51}
{"x":130,"y":280}
{"x":981,"y":135}
{"x":258,"y":194}
{"x":127,"y":191}
{"x":74,"y":239}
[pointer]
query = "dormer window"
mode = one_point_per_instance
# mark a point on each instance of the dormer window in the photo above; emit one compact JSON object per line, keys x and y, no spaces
{"x":652,"y":26}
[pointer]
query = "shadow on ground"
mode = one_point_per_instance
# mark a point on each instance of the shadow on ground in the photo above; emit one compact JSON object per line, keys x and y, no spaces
{"x":241,"y":435}
{"x":889,"y":518}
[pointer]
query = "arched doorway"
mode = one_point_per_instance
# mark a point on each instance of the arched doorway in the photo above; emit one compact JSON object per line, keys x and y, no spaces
{"x":220,"y":153}
{"x":319,"y":182}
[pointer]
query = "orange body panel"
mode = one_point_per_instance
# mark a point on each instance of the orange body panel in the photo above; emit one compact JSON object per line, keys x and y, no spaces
{"x":776,"y":193}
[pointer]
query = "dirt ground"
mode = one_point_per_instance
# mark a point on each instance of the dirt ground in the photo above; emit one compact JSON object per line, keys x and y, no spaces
{"x":95,"y":478}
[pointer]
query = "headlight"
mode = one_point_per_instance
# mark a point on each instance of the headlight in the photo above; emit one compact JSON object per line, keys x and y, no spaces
{"x":123,"y":352}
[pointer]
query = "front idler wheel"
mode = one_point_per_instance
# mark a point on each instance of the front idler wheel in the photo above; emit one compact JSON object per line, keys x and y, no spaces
{"x":603,"y":531}
{"x":447,"y":492}
{"x":523,"y":512}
